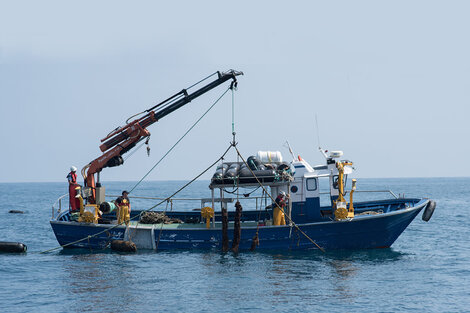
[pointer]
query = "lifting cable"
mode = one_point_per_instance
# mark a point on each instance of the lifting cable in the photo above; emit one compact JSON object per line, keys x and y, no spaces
{"x":134,"y":151}
{"x":151,"y":208}
{"x":233,"y":87}
{"x":282,"y":210}
{"x":181,"y":138}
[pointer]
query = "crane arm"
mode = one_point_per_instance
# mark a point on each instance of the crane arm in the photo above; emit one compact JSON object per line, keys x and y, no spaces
{"x":164,"y":108}
{"x":123,"y":139}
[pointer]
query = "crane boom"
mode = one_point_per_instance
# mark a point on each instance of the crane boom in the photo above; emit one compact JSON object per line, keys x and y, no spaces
{"x":123,"y":139}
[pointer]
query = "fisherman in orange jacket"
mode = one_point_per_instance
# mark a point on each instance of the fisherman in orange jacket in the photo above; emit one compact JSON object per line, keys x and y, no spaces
{"x":72,"y":178}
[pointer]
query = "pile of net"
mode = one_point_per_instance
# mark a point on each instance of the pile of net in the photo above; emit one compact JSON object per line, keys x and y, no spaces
{"x":157,"y":218}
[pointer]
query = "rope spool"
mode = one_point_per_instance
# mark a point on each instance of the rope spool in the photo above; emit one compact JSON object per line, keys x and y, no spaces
{"x":89,"y":214}
{"x":341,"y":213}
{"x":207,"y":213}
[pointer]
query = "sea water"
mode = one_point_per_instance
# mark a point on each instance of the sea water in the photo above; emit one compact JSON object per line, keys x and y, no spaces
{"x":426,"y":270}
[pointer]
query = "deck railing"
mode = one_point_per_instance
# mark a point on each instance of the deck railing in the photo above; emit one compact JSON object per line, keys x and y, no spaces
{"x":58,"y":203}
{"x":57,"y":206}
{"x":202,"y":202}
{"x":366,"y":191}
{"x":384,"y":191}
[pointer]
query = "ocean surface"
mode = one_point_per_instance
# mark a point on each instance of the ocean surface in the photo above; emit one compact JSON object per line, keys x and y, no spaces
{"x":426,"y":270}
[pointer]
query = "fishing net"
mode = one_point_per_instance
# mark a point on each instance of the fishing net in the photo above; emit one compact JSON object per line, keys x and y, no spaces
{"x":158,"y":218}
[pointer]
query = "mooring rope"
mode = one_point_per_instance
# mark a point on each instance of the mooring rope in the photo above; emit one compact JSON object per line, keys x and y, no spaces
{"x":161,"y":228}
{"x":282,"y":210}
{"x":151,"y":208}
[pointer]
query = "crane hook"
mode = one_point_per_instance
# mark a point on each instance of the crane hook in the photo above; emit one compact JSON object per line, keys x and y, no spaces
{"x":148,"y":147}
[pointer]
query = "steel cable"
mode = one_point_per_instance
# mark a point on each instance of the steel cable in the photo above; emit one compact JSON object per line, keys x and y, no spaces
{"x":179,"y":140}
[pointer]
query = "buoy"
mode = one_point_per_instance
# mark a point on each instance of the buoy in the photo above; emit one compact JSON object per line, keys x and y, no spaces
{"x":429,"y":210}
{"x":224,"y":229}
{"x":16,"y":211}
{"x":123,"y":246}
{"x":237,"y":231}
{"x":16,"y":247}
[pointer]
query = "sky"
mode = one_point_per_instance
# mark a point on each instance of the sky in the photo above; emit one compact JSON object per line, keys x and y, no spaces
{"x":387,"y":80}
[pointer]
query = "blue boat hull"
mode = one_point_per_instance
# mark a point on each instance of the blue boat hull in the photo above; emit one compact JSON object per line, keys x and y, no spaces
{"x":362,"y":232}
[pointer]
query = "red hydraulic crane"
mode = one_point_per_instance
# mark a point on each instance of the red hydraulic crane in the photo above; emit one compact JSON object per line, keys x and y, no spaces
{"x":123,"y":139}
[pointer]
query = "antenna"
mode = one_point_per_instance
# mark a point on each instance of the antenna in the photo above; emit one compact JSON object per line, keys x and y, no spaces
{"x":323,"y":152}
{"x":290,"y":150}
{"x":318,"y":133}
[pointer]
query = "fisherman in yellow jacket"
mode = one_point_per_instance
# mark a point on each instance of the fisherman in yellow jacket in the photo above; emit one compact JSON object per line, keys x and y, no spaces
{"x":124,"y":213}
{"x":279,"y":207}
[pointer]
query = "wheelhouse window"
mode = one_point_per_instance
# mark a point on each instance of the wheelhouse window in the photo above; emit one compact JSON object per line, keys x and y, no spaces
{"x":311,"y":184}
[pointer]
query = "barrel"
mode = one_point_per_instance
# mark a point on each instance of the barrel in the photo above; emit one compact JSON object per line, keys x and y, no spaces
{"x":244,"y":171}
{"x":232,"y":171}
{"x":220,"y":172}
{"x":269,"y":156}
{"x":107,"y":207}
{"x":253,"y":163}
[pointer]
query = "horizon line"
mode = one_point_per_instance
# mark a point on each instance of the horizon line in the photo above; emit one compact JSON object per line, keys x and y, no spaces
{"x":180,"y":180}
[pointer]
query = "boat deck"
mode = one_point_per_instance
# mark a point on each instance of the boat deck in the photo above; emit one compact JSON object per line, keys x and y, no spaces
{"x":202,"y":226}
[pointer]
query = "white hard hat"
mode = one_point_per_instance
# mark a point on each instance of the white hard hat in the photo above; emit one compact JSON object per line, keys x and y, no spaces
{"x":73,"y":169}
{"x":283,"y":193}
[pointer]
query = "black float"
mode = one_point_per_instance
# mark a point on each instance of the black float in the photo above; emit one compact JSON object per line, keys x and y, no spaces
{"x":15,"y":247}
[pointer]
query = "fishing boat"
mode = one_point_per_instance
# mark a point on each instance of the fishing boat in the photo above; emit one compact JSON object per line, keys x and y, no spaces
{"x":298,"y":206}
